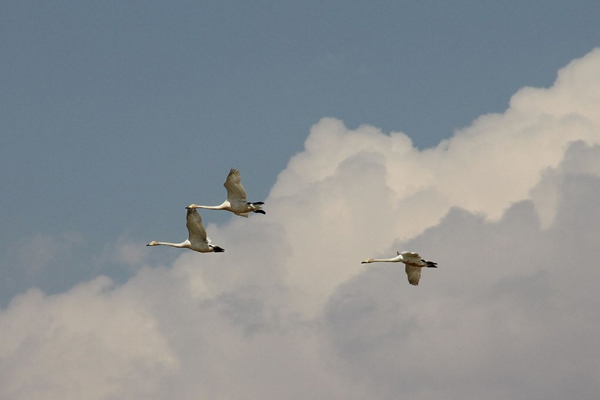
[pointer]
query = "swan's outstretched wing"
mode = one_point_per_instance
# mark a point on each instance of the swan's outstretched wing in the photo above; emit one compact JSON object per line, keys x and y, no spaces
{"x":233,"y":184}
{"x":195,"y":226}
{"x":413,"y":273}
{"x":410,"y":257}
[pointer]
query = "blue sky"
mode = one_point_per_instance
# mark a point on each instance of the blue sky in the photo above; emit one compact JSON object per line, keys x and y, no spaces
{"x":115,"y":116}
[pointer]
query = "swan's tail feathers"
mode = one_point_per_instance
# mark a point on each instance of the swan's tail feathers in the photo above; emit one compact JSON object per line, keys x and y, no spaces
{"x":245,"y":215}
{"x":256,"y":207}
{"x":430,"y":264}
{"x":218,"y":249}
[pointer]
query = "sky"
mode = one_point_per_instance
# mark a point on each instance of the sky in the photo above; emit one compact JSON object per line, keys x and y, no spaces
{"x":467,"y":131}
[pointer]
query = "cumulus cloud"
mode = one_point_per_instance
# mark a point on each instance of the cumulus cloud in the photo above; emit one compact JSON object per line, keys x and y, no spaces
{"x":367,"y":189}
{"x":510,"y":313}
{"x":91,"y":342}
{"x":507,"y":206}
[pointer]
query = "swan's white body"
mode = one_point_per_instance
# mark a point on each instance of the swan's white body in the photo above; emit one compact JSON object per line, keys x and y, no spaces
{"x":197,"y":240}
{"x":236,"y":197}
{"x":413,"y":262}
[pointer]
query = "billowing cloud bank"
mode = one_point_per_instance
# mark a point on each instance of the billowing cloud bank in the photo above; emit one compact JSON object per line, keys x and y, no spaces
{"x":508,"y":207}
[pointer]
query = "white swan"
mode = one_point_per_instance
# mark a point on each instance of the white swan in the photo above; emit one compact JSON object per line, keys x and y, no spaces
{"x":236,"y":197}
{"x":413,"y":262}
{"x":197,"y":241}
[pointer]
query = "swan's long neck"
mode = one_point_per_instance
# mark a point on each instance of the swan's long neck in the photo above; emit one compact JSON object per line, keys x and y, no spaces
{"x":219,"y":207}
{"x":371,"y":260}
{"x":181,"y":245}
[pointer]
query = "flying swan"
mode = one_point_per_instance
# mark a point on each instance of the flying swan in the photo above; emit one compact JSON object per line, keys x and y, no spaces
{"x":197,"y":241}
{"x":413,"y":262}
{"x":236,"y":198}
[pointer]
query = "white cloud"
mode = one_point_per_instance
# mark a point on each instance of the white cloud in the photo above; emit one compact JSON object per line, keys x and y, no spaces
{"x":510,"y":313}
{"x":92,"y":342}
{"x":578,"y":160}
{"x":508,"y":207}
{"x":353,"y":192}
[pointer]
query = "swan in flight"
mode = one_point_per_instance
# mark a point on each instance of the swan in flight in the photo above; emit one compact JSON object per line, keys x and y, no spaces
{"x":413,"y":262}
{"x":236,"y":198}
{"x":197,"y":241}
